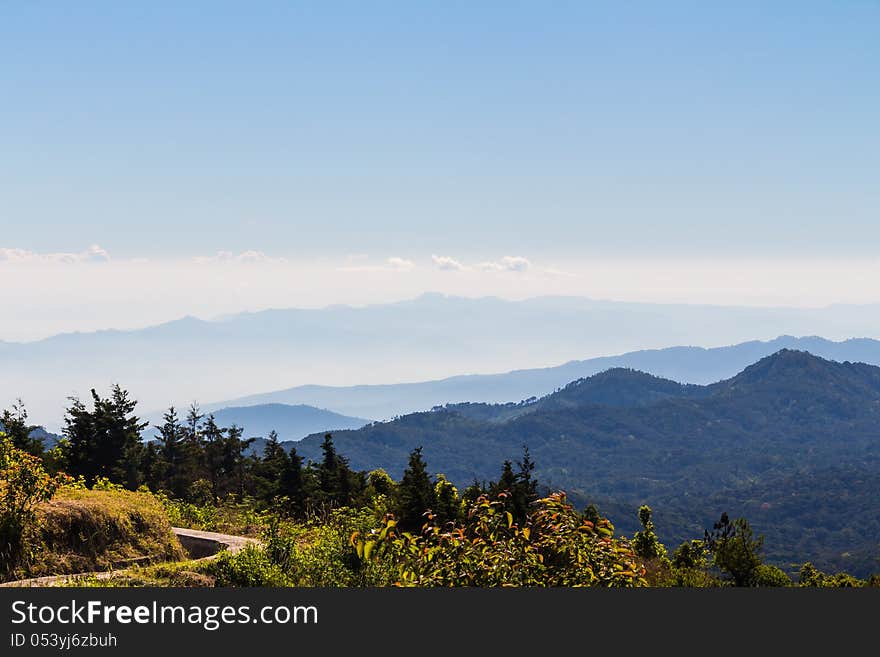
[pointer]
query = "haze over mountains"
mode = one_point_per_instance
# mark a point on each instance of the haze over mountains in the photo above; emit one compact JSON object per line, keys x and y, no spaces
{"x":286,"y":420}
{"x":792,"y":442}
{"x":683,"y":364}
{"x":429,"y":337}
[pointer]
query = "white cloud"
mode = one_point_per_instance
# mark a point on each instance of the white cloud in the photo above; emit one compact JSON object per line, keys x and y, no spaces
{"x":445,"y":263}
{"x":394,"y":263}
{"x":94,"y":253}
{"x":507,"y":263}
{"x":400,"y":264}
{"x":249,"y":257}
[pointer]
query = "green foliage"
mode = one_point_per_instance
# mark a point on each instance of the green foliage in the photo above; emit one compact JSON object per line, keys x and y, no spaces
{"x":106,"y":441}
{"x":338,"y":484}
{"x":415,"y":493}
{"x":447,"y":503}
{"x":555,"y":547}
{"x":14,"y":423}
{"x":380,"y":482}
{"x":759,"y":446}
{"x":24,"y":484}
{"x":810,"y":576}
{"x":250,"y":566}
{"x":645,"y":542}
{"x":521,"y":487}
{"x":189,"y":515}
{"x":735,"y":550}
{"x":767,"y":575}
{"x":691,"y":554}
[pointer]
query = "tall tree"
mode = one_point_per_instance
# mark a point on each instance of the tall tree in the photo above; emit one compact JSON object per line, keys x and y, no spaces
{"x":235,"y":459}
{"x":166,"y":471}
{"x":14,"y":423}
{"x":211,"y":437}
{"x":106,"y":441}
{"x":520,"y":488}
{"x":735,"y":550}
{"x":415,"y":493}
{"x":338,"y":484}
{"x":191,"y":467}
{"x":267,"y":469}
{"x":293,"y":486}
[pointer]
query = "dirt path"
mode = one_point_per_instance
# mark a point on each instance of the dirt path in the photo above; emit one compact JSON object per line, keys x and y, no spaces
{"x":201,"y":546}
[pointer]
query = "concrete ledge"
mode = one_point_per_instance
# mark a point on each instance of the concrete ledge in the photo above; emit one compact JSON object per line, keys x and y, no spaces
{"x":203,"y":545}
{"x":200,"y":546}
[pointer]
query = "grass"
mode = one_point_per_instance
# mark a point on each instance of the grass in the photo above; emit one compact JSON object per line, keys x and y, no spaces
{"x":178,"y":574}
{"x":229,"y":517}
{"x":98,"y":530}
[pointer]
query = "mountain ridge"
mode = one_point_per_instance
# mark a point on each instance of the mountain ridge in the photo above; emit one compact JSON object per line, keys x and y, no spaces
{"x":705,"y":365}
{"x":691,"y":456}
{"x":424,"y":339}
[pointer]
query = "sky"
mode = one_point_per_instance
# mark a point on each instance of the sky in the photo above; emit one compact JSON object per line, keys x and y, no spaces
{"x":161,"y":158}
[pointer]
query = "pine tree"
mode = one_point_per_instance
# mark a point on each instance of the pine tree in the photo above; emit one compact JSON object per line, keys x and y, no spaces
{"x":338,"y":485}
{"x":191,"y":467}
{"x":166,"y":472}
{"x":14,"y":423}
{"x":415,"y":493}
{"x":211,"y":438}
{"x":292,"y":487}
{"x":106,"y":441}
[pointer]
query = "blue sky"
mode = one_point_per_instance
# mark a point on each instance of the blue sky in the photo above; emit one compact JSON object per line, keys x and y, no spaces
{"x":163,"y":158}
{"x":552,"y":131}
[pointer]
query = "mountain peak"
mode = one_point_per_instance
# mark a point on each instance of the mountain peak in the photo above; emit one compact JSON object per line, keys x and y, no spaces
{"x":784,"y":361}
{"x":618,"y":386}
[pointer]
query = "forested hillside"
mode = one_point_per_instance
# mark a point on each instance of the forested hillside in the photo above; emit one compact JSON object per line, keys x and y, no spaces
{"x":766,"y":440}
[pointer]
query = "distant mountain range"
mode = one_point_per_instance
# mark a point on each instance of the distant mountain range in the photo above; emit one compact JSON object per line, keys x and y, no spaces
{"x":290,"y":422}
{"x":792,"y":442}
{"x":427,"y":338}
{"x":683,"y":364}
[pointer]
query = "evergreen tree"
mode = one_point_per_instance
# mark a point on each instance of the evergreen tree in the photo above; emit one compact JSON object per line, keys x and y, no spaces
{"x":474,"y":491}
{"x":328,"y":472}
{"x":191,"y":466}
{"x":235,"y":460}
{"x":415,"y":493}
{"x":14,"y":423}
{"x":167,"y":473}
{"x":292,"y":484}
{"x":735,"y":550}
{"x":211,"y":439}
{"x":520,"y":488}
{"x":338,"y":484}
{"x":106,"y":441}
{"x":525,"y":490}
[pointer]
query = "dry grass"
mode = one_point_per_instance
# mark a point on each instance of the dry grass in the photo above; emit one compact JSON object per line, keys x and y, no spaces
{"x":85,"y":531}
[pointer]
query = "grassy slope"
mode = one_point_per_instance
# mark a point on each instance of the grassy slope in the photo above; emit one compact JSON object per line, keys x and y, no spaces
{"x":84,"y":530}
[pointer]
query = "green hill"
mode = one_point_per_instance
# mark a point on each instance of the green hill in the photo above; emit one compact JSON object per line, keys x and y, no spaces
{"x":786,"y":427}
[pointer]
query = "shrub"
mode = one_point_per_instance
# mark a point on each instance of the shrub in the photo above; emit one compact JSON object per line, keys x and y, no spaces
{"x":321,"y":554}
{"x":767,"y":575}
{"x":810,"y":576}
{"x":250,"y":566}
{"x":24,"y":484}
{"x":556,"y":546}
